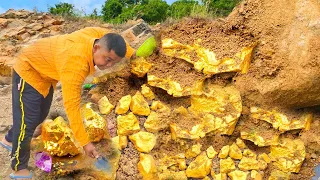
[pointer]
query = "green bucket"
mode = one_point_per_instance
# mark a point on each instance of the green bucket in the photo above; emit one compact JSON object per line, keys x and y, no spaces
{"x":147,"y":48}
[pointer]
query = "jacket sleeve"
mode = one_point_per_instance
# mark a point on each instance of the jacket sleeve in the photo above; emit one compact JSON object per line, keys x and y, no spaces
{"x":72,"y":76}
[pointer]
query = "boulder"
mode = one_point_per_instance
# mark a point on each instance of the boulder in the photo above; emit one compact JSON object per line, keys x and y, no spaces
{"x":286,"y":65}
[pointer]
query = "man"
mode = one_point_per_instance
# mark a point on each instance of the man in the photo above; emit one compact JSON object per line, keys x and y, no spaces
{"x":66,"y":58}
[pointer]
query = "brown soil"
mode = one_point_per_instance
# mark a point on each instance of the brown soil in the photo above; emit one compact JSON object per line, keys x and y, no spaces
{"x":178,"y":70}
{"x":128,"y":164}
{"x":225,"y":42}
{"x":285,"y":66}
{"x":117,"y":87}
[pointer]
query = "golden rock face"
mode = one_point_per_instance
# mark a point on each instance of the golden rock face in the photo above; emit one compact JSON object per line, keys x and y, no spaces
{"x":147,"y":93}
{"x":262,"y":164}
{"x":139,"y":105}
{"x":224,"y":152}
{"x":147,"y":167}
{"x":238,"y":175}
{"x":95,"y":124}
{"x":128,"y":124}
{"x":182,"y":165}
{"x":240,"y":143}
{"x":159,"y":106}
{"x":221,"y":108}
{"x":195,"y":133}
{"x":227,"y":165}
{"x":143,"y":141}
{"x":218,"y":110}
{"x":172,"y":87}
{"x":211,"y":153}
{"x":158,"y":118}
{"x":289,"y":155}
{"x":220,"y":176}
{"x":180,"y":175}
{"x":168,"y":161}
{"x":256,"y":175}
{"x":250,"y":154}
{"x":194,"y":151}
{"x":217,"y":100}
{"x":120,"y":141}
{"x":264,"y":157}
{"x":200,"y":167}
{"x":248,"y":164}
{"x":263,"y":160}
{"x":258,"y":139}
{"x":277,"y":174}
{"x":179,"y":131}
{"x":280,"y":121}
{"x":58,"y":138}
{"x":123,"y":105}
{"x":205,"y":60}
{"x":212,"y":173}
{"x":235,"y":152}
{"x":140,"y":67}
{"x":153,"y":123}
{"x":105,"y":106}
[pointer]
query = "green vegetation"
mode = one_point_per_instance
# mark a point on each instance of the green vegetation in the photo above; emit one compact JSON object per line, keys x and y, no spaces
{"x":112,"y":9}
{"x":182,"y":8}
{"x":222,"y":7}
{"x":152,"y":11}
{"x":64,"y":9}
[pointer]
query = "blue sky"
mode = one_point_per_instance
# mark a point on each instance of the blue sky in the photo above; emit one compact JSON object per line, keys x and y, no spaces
{"x":86,"y":6}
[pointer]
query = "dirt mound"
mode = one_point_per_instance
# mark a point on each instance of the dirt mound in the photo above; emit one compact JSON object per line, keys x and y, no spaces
{"x":285,"y":67}
{"x":283,"y":73}
{"x":272,"y":68}
{"x":283,"y":76}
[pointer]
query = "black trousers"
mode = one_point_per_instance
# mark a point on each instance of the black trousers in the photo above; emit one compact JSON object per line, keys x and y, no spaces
{"x":29,"y":109}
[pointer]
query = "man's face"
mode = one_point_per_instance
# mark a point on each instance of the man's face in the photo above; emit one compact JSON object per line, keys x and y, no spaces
{"x":103,"y":58}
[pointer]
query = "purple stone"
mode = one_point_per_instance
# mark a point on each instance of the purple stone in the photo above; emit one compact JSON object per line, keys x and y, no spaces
{"x":43,"y":161}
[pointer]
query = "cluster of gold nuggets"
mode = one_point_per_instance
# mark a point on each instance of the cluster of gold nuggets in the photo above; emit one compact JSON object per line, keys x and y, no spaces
{"x":218,"y":110}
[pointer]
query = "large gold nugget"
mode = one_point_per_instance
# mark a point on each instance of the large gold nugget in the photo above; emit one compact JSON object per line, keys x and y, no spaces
{"x":58,"y":138}
{"x":95,"y":125}
{"x":281,"y":121}
{"x":140,"y":67}
{"x":205,"y":61}
{"x":127,"y":124}
{"x":139,"y":105}
{"x":289,"y":155}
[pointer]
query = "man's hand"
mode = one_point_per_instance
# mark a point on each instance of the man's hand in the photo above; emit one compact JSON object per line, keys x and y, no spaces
{"x":91,"y":150}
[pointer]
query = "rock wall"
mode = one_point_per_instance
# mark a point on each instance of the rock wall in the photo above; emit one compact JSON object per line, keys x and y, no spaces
{"x":19,"y":28}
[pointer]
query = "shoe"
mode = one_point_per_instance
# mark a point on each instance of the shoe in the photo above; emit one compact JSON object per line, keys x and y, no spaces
{"x":9,"y":148}
{"x":12,"y":176}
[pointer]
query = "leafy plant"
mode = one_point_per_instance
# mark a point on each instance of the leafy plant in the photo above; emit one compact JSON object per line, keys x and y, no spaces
{"x":181,"y":8}
{"x":221,"y":7}
{"x":111,"y":9}
{"x":155,"y":11}
{"x":62,"y":9}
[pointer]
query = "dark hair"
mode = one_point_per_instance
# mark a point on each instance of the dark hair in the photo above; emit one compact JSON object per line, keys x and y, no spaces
{"x":113,"y":41}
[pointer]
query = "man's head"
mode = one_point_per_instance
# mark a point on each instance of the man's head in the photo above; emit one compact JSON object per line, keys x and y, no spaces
{"x":108,"y":50}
